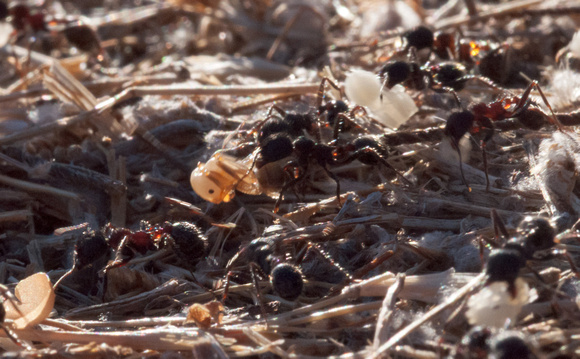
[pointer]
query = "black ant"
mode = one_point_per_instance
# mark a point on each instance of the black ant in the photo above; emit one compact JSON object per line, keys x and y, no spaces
{"x":441,"y":77}
{"x":188,"y":242}
{"x":295,"y":124}
{"x":535,"y":240}
{"x":366,"y":149}
{"x":306,"y":150}
{"x":480,"y":117}
{"x":263,"y":259}
{"x":266,"y":258}
{"x":481,"y":343}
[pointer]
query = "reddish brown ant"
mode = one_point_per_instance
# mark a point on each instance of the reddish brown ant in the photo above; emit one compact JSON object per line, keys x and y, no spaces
{"x":25,"y":20}
{"x":480,"y":117}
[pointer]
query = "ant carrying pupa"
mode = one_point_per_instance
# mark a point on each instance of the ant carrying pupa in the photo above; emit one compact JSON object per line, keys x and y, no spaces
{"x":505,"y":292}
{"x":278,"y":138}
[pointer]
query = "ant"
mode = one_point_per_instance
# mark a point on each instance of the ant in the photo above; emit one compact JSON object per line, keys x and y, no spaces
{"x":267,"y":259}
{"x":187,"y":240}
{"x":5,"y":293}
{"x":481,"y":342}
{"x":440,"y":78}
{"x":306,"y":150}
{"x":535,"y":240}
{"x":480,"y":117}
{"x":295,"y":124}
{"x":77,"y":33}
{"x":217,"y":179}
{"x":262,"y":257}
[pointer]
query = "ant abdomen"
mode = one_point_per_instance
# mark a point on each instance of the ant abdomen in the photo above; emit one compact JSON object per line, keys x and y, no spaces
{"x":287,"y":281}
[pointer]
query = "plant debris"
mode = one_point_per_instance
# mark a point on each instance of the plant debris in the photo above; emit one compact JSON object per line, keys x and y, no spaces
{"x":332,"y":179}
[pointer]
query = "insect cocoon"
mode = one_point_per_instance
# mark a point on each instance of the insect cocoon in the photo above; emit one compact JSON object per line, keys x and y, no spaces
{"x":364,"y":89}
{"x":493,"y":305}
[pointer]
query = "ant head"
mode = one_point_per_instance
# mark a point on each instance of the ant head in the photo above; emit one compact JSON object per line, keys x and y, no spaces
{"x":532,"y":118}
{"x":449,"y":73}
{"x":299,"y":122}
{"x":276,"y":147}
{"x":420,"y":38}
{"x":476,"y":341}
{"x":141,"y":241}
{"x":503,"y":265}
{"x":333,"y":108}
{"x":444,"y":44}
{"x":395,"y":72}
{"x":287,"y":281}
{"x":458,"y":124}
{"x":509,"y":344}
{"x":91,"y":246}
{"x":271,"y":126}
{"x":83,"y":37}
{"x":537,"y":233}
{"x":115,"y":235}
{"x":303,"y":145}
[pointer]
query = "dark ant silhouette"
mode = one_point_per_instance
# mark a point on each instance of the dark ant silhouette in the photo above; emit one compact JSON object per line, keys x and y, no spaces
{"x":270,"y":259}
{"x":296,"y":124}
{"x":535,"y":239}
{"x":188,"y":243}
{"x":482,"y":342}
{"x":306,"y":150}
{"x":440,"y":77}
{"x":25,"y":19}
{"x":480,"y":117}
{"x":366,"y":149}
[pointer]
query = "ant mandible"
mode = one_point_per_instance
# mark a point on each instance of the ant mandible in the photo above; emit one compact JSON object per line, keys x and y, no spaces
{"x":480,"y":117}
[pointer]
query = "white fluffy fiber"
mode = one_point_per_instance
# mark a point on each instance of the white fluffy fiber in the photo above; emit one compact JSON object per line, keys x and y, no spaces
{"x":363,"y":88}
{"x":556,"y":169}
{"x":493,"y":305}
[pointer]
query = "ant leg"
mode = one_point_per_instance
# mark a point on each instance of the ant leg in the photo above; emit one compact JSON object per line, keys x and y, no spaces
{"x":320,"y":93}
{"x":498,"y":225}
{"x":484,"y":155}
{"x":445,"y":89}
{"x":484,"y":80}
{"x":456,"y":145}
{"x":568,"y":258}
{"x":379,"y":158}
{"x":356,"y":109}
{"x":287,"y":185}
{"x":525,"y":97}
{"x":226,"y":287}
{"x":316,"y":248}
{"x":253,"y":268}
{"x":277,"y":109}
{"x":333,"y":176}
{"x":481,"y":251}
